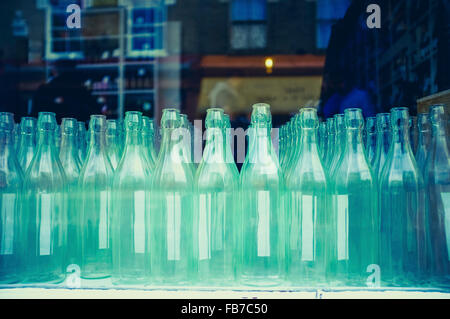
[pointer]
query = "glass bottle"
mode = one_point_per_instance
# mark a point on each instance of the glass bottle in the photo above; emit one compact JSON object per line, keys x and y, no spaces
{"x":323,"y":140}
{"x":437,"y":178}
{"x":383,"y":142}
{"x":371,"y":139}
{"x":82,"y":146}
{"x":16,"y":136}
{"x":58,"y":138}
{"x":148,"y":140}
{"x":131,"y":208}
{"x":424,"y":125}
{"x":331,"y":141}
{"x":11,"y":179}
{"x":340,"y":140}
{"x":71,"y":164}
{"x":43,"y":226}
{"x":229,"y":158}
{"x":27,"y":144}
{"x":186,"y":151}
{"x":413,"y":133}
{"x":215,"y":211}
{"x":352,"y":220}
{"x":112,"y":143}
{"x":306,"y":195}
{"x":95,"y":220}
{"x":402,"y":217}
{"x":293,"y":142}
{"x":171,"y":236}
{"x":262,"y":227}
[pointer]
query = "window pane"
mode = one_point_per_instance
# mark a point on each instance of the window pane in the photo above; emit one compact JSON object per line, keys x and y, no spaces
{"x":248,"y":10}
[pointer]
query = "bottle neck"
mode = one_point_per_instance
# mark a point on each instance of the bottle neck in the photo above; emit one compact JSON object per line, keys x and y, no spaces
{"x":215,"y":144}
{"x":69,"y":143}
{"x":308,"y":140}
{"x":400,"y":138}
{"x":6,"y":141}
{"x":354,"y":141}
{"x":97,"y":141}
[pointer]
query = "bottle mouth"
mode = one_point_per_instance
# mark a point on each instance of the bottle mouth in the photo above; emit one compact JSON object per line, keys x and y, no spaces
{"x":6,"y":121}
{"x":97,"y":123}
{"x":400,"y":118}
{"x":69,"y":125}
{"x":133,"y":121}
{"x":354,"y":118}
{"x":47,"y":121}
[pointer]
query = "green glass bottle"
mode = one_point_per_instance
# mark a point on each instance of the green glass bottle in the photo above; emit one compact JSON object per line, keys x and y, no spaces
{"x":437,"y":179}
{"x":43,"y":225}
{"x":82,"y":146}
{"x":171,"y":237}
{"x":340,"y":140}
{"x":424,"y":126}
{"x":11,"y":179}
{"x":413,"y":133}
{"x":352,"y":220}
{"x":262,"y":226}
{"x":323,"y":140}
{"x":148,"y":140}
{"x":306,"y":195}
{"x":215,"y":208}
{"x":58,"y":139}
{"x":71,"y":164}
{"x":187,"y":142}
{"x":27,"y":143}
{"x":402,"y":216}
{"x":331,"y":144}
{"x":112,"y":143}
{"x":95,"y":220}
{"x":383,"y":142}
{"x":131,"y":208}
{"x":371,"y":139}
{"x":293,"y":142}
{"x":229,"y":158}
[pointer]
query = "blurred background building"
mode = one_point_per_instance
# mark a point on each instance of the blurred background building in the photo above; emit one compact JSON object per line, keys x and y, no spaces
{"x":192,"y":54}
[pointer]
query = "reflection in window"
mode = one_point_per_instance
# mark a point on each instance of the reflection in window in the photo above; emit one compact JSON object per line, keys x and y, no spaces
{"x":328,"y":12}
{"x":248,"y":29}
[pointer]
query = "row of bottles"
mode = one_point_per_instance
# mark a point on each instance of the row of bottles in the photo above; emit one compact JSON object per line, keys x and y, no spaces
{"x":326,"y":212}
{"x":387,"y":210}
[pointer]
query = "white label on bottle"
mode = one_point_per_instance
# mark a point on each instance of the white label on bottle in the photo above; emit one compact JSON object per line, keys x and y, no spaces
{"x":45,"y":227}
{"x":308,"y":227}
{"x":173,"y":203}
{"x":204,"y":227}
{"x":342,"y":226}
{"x":263,"y":209}
{"x":7,"y":220}
{"x":103,"y":221}
{"x":446,"y":204}
{"x":139,"y":222}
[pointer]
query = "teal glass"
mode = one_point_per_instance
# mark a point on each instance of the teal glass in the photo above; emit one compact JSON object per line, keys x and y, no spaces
{"x":112,"y":143}
{"x":340,"y":140}
{"x":352,"y":220}
{"x":71,"y":164}
{"x":262,"y":228}
{"x":82,"y":146}
{"x":293,"y":142}
{"x":413,"y":133}
{"x":323,"y":140}
{"x":187,"y":142}
{"x":424,"y":125}
{"x":11,"y":181}
{"x":148,"y":131}
{"x":383,"y":142}
{"x":43,"y":222}
{"x":95,"y":205}
{"x":437,"y":179}
{"x":331,"y":144}
{"x":171,"y":220}
{"x":371,"y":139}
{"x":402,"y":215}
{"x":215,"y":209}
{"x":27,"y":143}
{"x":58,"y":139}
{"x":131,"y":209}
{"x":229,"y":158}
{"x":306,"y":211}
